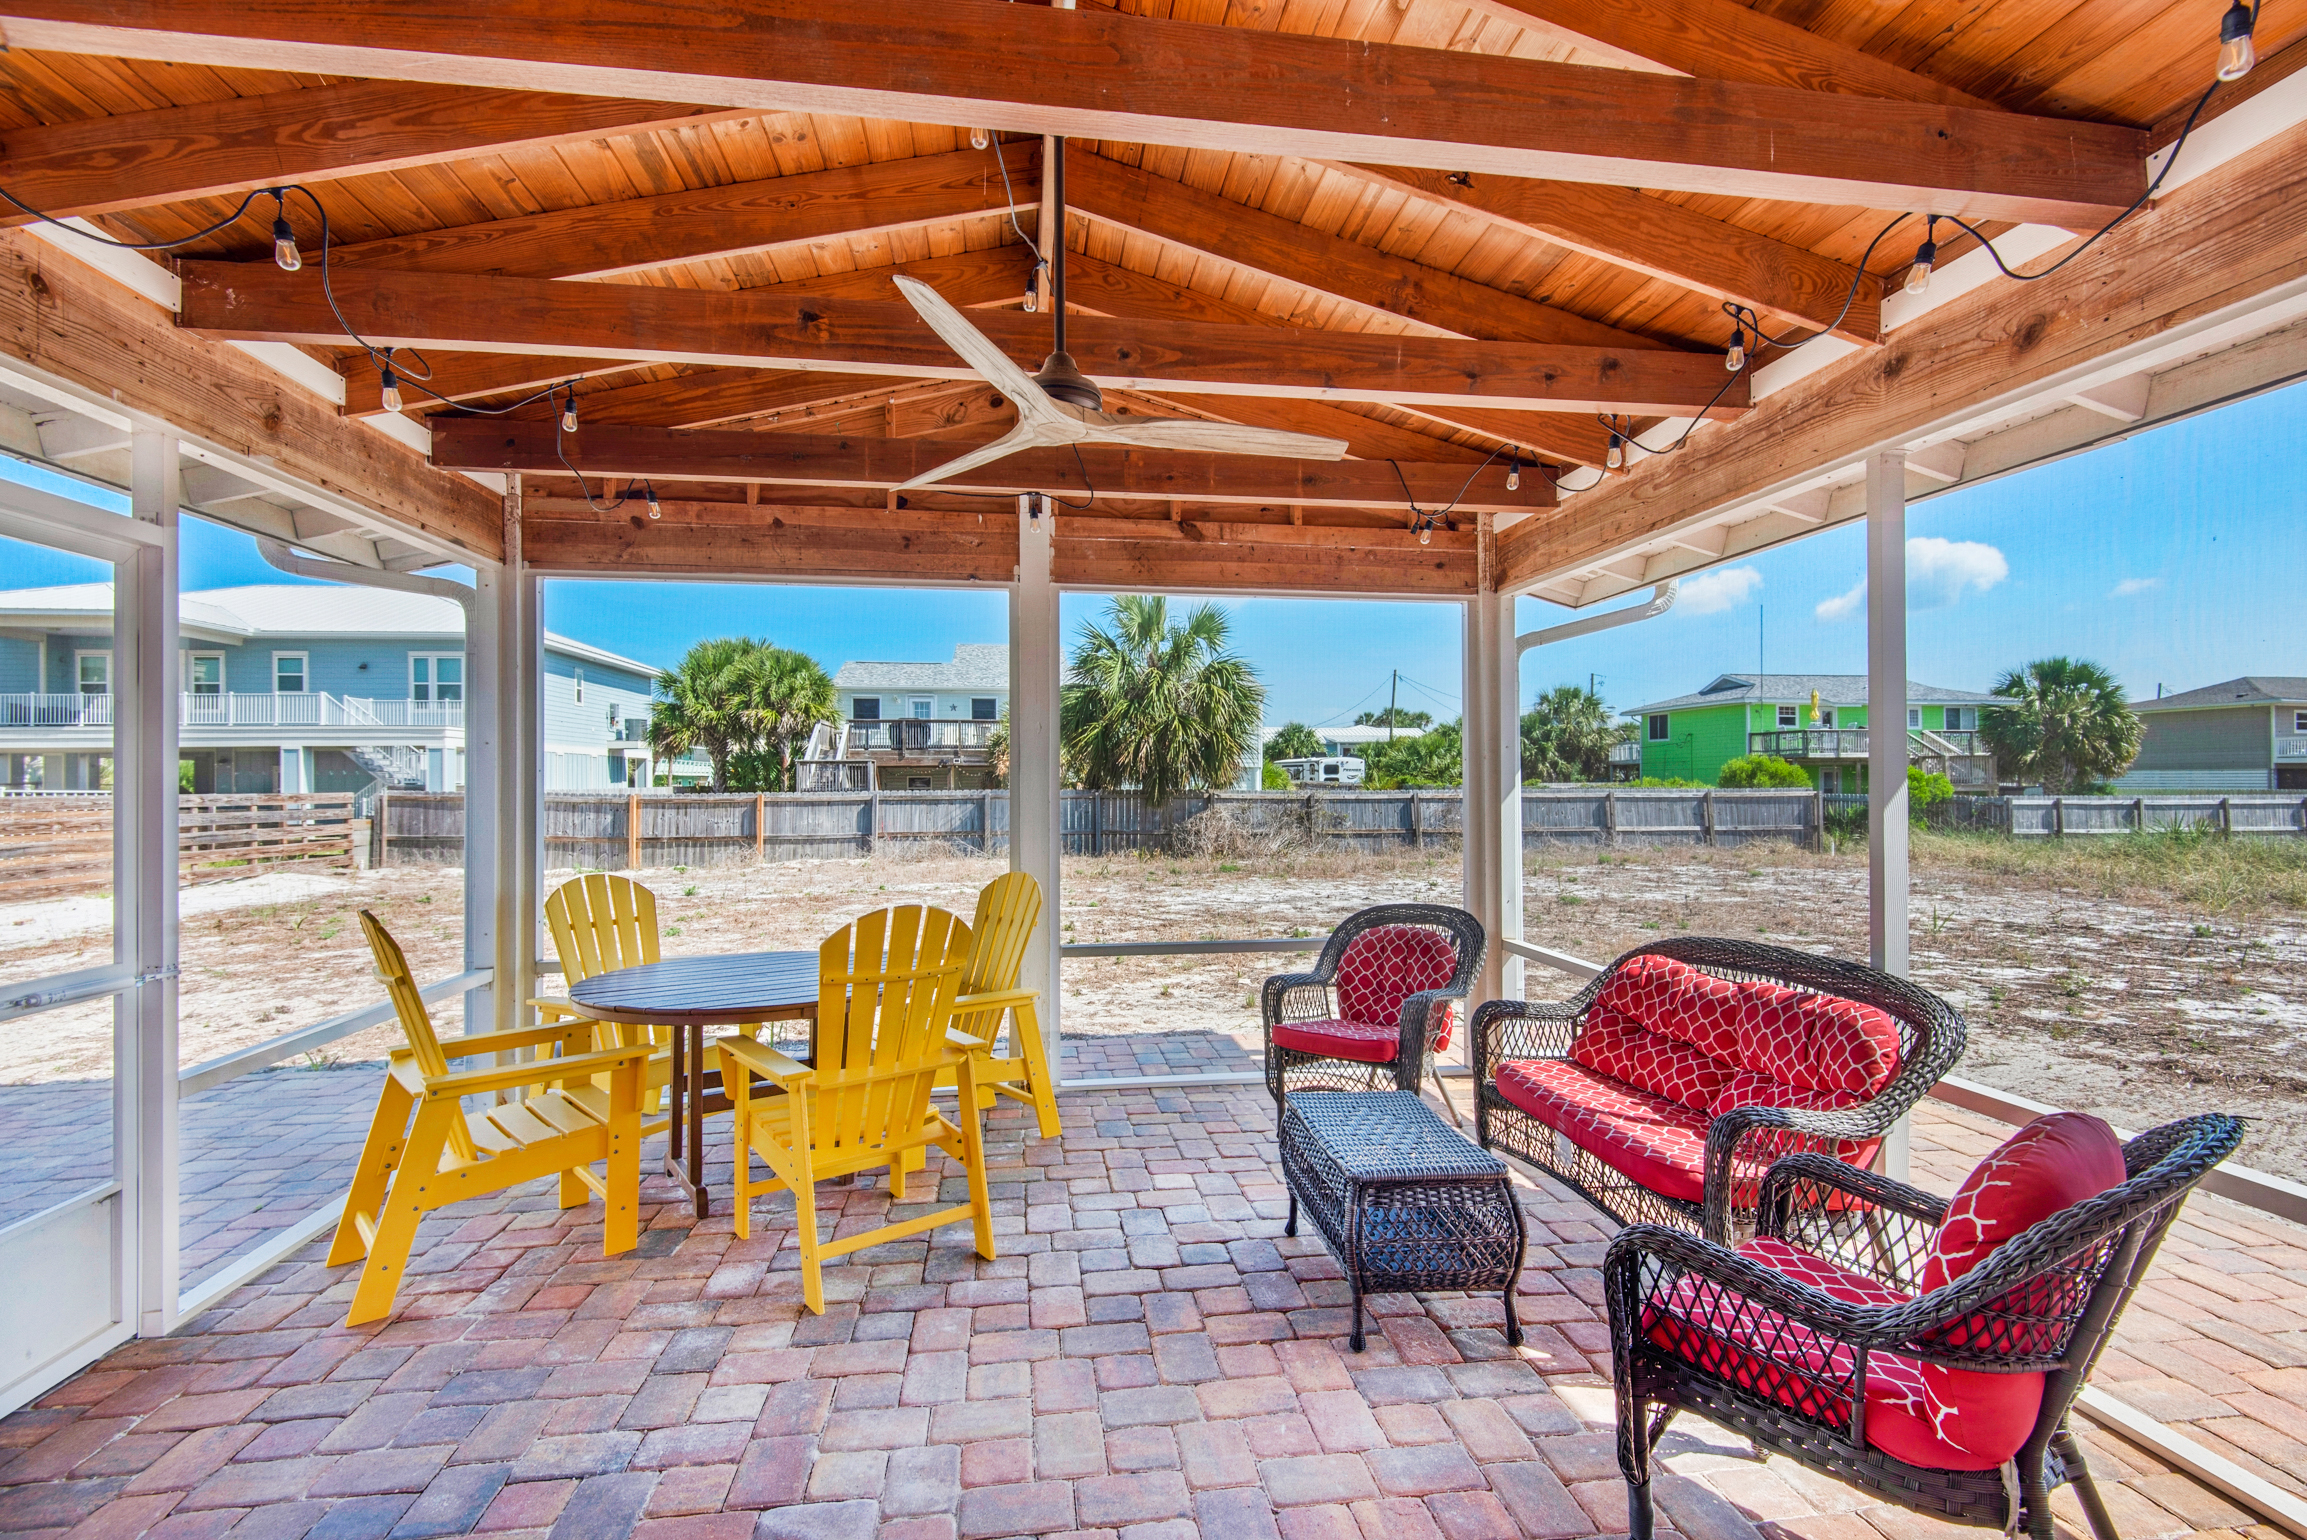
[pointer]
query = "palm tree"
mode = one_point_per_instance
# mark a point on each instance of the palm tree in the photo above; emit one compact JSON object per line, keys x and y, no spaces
{"x":1158,"y":708}
{"x":701,"y":704}
{"x":1567,"y":735}
{"x":1293,"y":740}
{"x":2067,"y":728}
{"x":787,"y":694}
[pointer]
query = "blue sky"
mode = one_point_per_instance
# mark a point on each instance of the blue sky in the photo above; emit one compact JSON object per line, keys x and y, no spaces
{"x":2177,"y":558}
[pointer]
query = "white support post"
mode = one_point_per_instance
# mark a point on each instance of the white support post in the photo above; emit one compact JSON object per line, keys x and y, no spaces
{"x":145,"y":831}
{"x":1036,"y":663}
{"x":1886,"y":692}
{"x":1493,"y":799}
{"x":504,"y":829}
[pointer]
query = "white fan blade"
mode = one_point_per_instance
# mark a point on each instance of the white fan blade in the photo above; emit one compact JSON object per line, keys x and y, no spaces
{"x":976,"y":349}
{"x":1224,"y":438}
{"x":1025,"y":435}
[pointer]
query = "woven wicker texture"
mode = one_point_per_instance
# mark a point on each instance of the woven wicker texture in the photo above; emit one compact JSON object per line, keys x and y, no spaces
{"x":1387,"y":963}
{"x":1780,"y":1000}
{"x":1791,"y":1356}
{"x":1404,"y":1202}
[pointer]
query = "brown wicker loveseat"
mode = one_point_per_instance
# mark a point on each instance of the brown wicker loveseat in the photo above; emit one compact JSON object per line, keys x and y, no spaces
{"x":1663,"y":1091}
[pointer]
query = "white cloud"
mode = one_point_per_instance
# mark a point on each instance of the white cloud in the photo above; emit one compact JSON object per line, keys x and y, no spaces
{"x":1710,"y":593}
{"x":1843,"y":606}
{"x":2129,"y":587}
{"x":1938,"y":572}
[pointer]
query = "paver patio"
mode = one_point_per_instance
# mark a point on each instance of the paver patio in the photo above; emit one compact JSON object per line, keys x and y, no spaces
{"x":1149,"y":1359}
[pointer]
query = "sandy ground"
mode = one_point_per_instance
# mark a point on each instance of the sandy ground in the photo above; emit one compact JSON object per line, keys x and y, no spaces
{"x":2139,"y":1006}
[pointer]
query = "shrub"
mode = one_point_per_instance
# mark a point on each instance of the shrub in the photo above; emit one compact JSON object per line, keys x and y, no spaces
{"x":1275,"y":778}
{"x":1925,"y":791}
{"x":1763,"y":770}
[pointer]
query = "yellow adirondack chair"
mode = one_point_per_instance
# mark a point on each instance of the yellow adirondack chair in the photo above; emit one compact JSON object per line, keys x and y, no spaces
{"x":1007,"y":910}
{"x":886,"y":989}
{"x":599,"y":923}
{"x":564,"y":1124}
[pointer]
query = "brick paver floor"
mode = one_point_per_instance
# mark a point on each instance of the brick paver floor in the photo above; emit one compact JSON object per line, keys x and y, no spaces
{"x":1149,"y":1359}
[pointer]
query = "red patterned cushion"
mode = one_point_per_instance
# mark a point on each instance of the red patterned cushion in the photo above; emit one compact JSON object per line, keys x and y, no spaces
{"x":1818,"y":1042}
{"x":1758,"y":1150}
{"x":1656,"y":1142}
{"x":1941,"y":1419}
{"x":1362,"y":1040}
{"x":1625,"y":1049}
{"x":1388,"y":963}
{"x":1672,"y":997}
{"x":2048,"y":1166}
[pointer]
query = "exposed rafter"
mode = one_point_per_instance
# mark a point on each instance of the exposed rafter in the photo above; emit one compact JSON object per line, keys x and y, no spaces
{"x":1137,"y":79}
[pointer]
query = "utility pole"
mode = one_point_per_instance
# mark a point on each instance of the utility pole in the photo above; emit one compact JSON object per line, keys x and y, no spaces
{"x":1392,"y":695}
{"x":1759,"y":655}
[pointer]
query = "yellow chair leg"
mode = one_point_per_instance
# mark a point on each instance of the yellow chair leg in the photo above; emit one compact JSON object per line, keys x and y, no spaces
{"x":973,"y":1144}
{"x":805,"y":1236}
{"x":1039,"y":1073}
{"x":379,"y":1155}
{"x":742,"y":1150}
{"x":621,"y":1226}
{"x":396,"y":1231}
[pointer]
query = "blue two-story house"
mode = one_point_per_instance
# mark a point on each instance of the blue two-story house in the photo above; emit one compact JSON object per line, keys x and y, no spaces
{"x":286,"y":688}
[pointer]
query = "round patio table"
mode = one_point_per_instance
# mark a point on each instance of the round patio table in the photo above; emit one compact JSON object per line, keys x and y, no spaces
{"x":690,"y":994}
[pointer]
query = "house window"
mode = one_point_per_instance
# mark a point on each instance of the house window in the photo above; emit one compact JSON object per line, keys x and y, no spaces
{"x":289,"y":674}
{"x":204,"y":673}
{"x":981,"y":708}
{"x":1962,"y":719}
{"x":1914,"y":716}
{"x":436,"y":676}
{"x":2299,"y":721}
{"x":580,"y":687}
{"x":1790,"y":716}
{"x":92,"y":672}
{"x":1658,"y":727}
{"x":921,"y":707}
{"x":865,"y":708}
{"x":1826,"y":716}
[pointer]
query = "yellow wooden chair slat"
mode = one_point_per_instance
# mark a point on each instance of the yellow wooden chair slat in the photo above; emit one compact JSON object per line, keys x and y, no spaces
{"x":885,"y":998}
{"x":1008,"y":909}
{"x":406,"y":1171}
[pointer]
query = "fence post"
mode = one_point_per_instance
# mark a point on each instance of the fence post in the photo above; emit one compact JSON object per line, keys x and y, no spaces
{"x":2226,"y":816}
{"x":1417,"y":822}
{"x":2058,"y":816}
{"x":382,"y":844}
{"x":985,"y":823}
{"x":1610,"y":818}
{"x":633,"y":831}
{"x":1097,"y":823}
{"x":760,"y":825}
{"x":1706,"y":814}
{"x":872,"y":812}
{"x":1817,"y":820}
{"x":2138,"y":815}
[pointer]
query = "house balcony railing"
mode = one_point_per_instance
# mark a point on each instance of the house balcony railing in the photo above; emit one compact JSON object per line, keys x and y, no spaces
{"x":1851,"y":743}
{"x":1626,"y":753}
{"x":914,"y":735}
{"x":305,"y":710}
{"x":2291,"y":748}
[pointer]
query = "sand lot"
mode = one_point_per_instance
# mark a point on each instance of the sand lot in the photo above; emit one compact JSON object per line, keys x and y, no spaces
{"x":2136,"y":998}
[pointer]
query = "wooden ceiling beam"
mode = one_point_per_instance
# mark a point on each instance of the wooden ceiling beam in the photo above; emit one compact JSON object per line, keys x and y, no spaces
{"x":2196,"y":258}
{"x":458,"y":377}
{"x":1366,"y":437}
{"x":1723,"y":40}
{"x":637,"y":235}
{"x":725,"y":540}
{"x":794,"y":459}
{"x":1103,"y":75}
{"x":258,"y":302}
{"x":1787,"y":284}
{"x":1179,"y":215}
{"x":351,"y":128}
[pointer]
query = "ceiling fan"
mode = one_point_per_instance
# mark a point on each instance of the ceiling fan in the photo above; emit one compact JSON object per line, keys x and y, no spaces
{"x":1061,"y":406}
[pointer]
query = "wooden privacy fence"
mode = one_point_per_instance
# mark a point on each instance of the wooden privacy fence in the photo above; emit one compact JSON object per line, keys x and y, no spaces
{"x":628,"y":830}
{"x":53,"y":845}
{"x":2054,"y":817}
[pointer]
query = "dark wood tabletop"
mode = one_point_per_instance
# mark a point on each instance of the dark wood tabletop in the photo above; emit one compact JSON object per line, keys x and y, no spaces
{"x":704,"y":991}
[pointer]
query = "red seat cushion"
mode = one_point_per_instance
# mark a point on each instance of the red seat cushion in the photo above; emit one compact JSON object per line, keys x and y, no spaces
{"x":1815,"y":1042}
{"x":1625,"y":1049}
{"x":1362,"y":1040}
{"x":1658,"y":1143}
{"x":1940,"y":1419}
{"x":1385,"y":965}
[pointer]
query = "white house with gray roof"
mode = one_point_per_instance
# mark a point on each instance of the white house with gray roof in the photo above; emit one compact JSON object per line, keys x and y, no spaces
{"x":2247,"y":734}
{"x":925,"y":726}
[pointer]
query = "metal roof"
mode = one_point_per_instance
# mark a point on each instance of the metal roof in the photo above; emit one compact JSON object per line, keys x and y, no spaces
{"x":1795,"y":690}
{"x":976,"y":666}
{"x":2250,"y":690}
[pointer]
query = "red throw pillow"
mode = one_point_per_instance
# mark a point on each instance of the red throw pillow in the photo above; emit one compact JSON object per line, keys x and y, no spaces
{"x":1387,"y":964}
{"x":1670,"y":996}
{"x":1818,"y":1042}
{"x":2049,"y":1166}
{"x":1625,"y":1049}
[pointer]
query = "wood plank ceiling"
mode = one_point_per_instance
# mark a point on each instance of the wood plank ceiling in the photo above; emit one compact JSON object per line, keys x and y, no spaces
{"x":467,"y":191}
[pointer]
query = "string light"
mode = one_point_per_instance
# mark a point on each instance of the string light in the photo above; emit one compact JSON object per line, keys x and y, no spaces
{"x":2236,"y":52}
{"x":390,"y":397}
{"x":569,"y":412}
{"x":655,"y":510}
{"x":1425,"y":531}
{"x":1918,"y":277}
{"x":1033,"y":284}
{"x":1734,"y":357}
{"x":284,"y":249}
{"x":1514,"y":475}
{"x":1616,"y":458}
{"x":979,"y":139}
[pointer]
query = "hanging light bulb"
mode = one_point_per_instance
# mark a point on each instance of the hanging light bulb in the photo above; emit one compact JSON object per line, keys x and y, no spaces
{"x":1425,"y":534}
{"x":979,"y":139}
{"x":1033,"y":284}
{"x":1616,"y":458}
{"x":284,"y":249}
{"x":2236,"y":53}
{"x":1513,"y":475}
{"x":391,"y":396}
{"x":569,"y":414}
{"x":1918,"y":277}
{"x":655,"y":511}
{"x":1735,"y":359}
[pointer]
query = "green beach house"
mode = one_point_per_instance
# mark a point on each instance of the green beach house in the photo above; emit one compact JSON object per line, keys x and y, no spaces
{"x":1817,"y":721}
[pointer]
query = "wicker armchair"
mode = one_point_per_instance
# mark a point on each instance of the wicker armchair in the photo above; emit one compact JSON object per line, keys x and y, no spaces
{"x":1707,"y":1165}
{"x":1378,"y":1004}
{"x":1765,"y":1350}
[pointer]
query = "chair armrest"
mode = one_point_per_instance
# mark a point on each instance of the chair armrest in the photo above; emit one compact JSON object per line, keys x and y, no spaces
{"x":967,"y":1044}
{"x":1861,"y":1219}
{"x":536,"y":1072}
{"x":558,"y":1005}
{"x":501,"y":1042}
{"x":1645,"y":1262}
{"x":1745,"y":1140}
{"x":765,"y":1061}
{"x":995,"y":1000}
{"x":1520,"y":1029}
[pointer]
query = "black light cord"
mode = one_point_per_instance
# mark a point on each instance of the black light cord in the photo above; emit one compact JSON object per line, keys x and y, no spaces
{"x":102,"y":239}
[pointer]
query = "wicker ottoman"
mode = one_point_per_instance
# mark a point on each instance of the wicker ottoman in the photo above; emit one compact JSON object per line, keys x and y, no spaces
{"x":1404,"y":1202}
